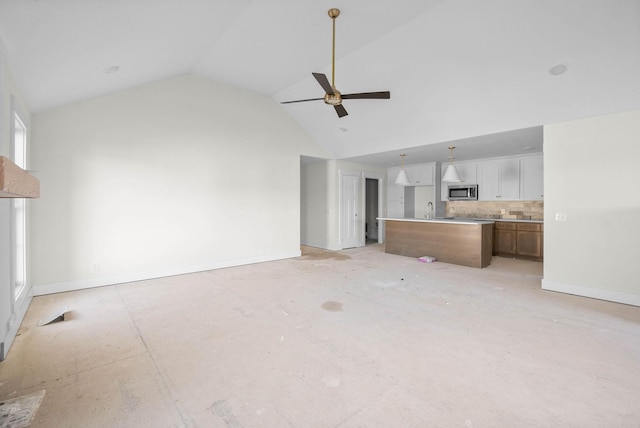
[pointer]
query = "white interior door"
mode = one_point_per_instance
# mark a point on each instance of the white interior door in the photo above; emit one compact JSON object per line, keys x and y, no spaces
{"x":350,"y":218}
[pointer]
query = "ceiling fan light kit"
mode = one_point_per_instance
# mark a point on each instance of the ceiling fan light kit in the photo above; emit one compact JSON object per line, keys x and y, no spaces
{"x":332,"y":96}
{"x":451,"y":174}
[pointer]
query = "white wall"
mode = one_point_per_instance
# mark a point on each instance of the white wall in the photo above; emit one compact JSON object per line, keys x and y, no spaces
{"x":314,"y":210}
{"x":591,"y":174}
{"x":177,"y":176}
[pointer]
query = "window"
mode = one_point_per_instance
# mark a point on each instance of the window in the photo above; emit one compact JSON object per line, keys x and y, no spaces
{"x":19,"y":214}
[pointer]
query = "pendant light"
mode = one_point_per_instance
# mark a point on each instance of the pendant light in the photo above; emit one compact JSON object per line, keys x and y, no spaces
{"x":402,"y":179}
{"x":451,"y":175}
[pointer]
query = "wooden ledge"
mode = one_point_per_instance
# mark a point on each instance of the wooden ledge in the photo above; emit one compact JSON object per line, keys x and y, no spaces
{"x":15,"y":182}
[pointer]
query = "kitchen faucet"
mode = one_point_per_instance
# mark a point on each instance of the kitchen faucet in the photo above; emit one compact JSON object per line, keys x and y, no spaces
{"x":429,"y":210}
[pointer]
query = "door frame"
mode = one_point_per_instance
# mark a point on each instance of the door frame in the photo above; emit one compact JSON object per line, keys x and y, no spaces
{"x":359,"y":205}
{"x":381,"y":199}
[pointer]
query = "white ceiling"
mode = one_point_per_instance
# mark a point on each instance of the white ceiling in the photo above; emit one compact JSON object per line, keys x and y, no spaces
{"x":456,"y":69}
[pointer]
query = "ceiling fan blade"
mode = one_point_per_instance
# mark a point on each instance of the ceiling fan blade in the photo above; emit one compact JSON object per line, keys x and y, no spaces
{"x":301,"y":101}
{"x":324,"y":82}
{"x":383,"y":95}
{"x":341,"y":110}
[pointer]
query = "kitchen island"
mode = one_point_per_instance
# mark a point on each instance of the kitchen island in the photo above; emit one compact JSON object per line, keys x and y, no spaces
{"x":461,"y":242}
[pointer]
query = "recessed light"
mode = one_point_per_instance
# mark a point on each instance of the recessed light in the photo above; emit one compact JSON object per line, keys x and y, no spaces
{"x":112,"y":69}
{"x":558,"y":69}
{"x":343,"y":129}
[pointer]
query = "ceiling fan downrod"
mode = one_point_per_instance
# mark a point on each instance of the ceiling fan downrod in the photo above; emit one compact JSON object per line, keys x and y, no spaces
{"x":332,"y":96}
{"x":333,"y":14}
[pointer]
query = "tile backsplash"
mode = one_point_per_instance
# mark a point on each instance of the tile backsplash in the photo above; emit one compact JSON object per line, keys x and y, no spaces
{"x":519,"y":210}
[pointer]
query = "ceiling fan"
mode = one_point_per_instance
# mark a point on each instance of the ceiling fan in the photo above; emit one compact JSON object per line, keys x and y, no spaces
{"x":332,"y":96}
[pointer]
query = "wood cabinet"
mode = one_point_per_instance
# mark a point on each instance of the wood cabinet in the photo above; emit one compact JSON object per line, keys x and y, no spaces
{"x":529,"y":241}
{"x":466,"y":244}
{"x":499,"y":180}
{"x":519,"y":240}
{"x":504,"y":239}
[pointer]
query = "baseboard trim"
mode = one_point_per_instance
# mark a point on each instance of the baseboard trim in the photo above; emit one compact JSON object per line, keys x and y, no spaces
{"x":314,"y":244}
{"x":14,"y":324}
{"x":81,"y":284}
{"x":322,"y":245}
{"x":592,"y":292}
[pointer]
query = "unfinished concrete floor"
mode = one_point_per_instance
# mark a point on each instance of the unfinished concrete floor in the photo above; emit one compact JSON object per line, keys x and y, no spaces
{"x":355,"y":338}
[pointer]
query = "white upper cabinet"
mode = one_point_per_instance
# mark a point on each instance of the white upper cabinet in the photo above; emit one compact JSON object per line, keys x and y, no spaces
{"x":489,"y":180}
{"x":510,"y":179}
{"x":467,"y":172}
{"x":420,"y":175}
{"x":532,"y":178}
{"x":499,"y":180}
{"x":395,"y":194}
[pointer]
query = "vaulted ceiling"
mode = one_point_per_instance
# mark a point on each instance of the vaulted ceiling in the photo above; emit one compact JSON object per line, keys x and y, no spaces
{"x":456,"y":69}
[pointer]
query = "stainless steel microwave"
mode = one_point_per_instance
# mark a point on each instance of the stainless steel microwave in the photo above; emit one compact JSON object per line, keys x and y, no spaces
{"x":466,"y":192}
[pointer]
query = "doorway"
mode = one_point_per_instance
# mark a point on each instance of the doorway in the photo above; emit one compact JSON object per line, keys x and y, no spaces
{"x":349,"y":212}
{"x":361,"y":203}
{"x":372,"y":199}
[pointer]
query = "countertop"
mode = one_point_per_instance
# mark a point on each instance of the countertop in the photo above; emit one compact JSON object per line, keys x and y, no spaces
{"x":462,"y":220}
{"x":506,"y":220}
{"x":441,"y":220}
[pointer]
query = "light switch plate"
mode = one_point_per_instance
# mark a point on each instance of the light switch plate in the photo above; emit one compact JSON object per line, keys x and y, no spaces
{"x":561,"y":216}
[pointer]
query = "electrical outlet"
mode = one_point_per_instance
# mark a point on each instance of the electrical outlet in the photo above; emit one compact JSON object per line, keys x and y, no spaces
{"x":95,"y":267}
{"x":561,"y":216}
{"x":503,"y":211}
